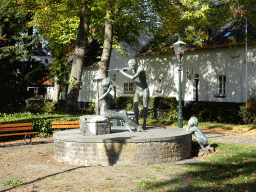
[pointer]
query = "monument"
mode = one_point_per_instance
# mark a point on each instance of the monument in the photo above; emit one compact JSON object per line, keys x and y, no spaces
{"x":105,"y":110}
{"x":95,"y":143}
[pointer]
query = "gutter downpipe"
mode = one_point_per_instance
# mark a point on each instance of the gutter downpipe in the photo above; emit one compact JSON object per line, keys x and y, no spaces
{"x":246,"y":65}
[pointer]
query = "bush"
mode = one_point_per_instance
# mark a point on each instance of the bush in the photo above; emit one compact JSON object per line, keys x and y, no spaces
{"x":165,"y":103}
{"x":44,"y":127}
{"x":248,"y":111}
{"x":171,"y":115}
{"x":33,"y":109}
{"x":90,"y":110}
{"x":213,"y":112}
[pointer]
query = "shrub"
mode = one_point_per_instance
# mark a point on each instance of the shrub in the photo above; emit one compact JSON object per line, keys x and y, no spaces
{"x":89,"y":110}
{"x":48,"y":106}
{"x":171,"y":115}
{"x":44,"y":127}
{"x":248,"y":111}
{"x":213,"y":112}
{"x":33,"y":109}
{"x":165,"y":103}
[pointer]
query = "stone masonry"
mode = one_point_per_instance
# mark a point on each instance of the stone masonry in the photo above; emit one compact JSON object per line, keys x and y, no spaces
{"x":123,"y":151}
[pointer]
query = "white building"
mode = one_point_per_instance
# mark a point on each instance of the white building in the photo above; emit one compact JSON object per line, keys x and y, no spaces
{"x":217,"y":72}
{"x":207,"y":75}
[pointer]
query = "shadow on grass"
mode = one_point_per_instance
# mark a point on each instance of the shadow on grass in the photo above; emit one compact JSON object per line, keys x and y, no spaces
{"x":41,"y":178}
{"x":232,"y":172}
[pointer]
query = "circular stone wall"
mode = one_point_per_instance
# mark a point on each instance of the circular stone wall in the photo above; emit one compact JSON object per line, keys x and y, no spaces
{"x":156,"y":145}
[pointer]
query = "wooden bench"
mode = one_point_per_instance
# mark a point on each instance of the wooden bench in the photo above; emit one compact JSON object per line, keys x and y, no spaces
{"x":65,"y":125}
{"x":16,"y":129}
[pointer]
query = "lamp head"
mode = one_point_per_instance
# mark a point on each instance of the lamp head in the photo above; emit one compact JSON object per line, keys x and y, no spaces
{"x":179,"y":48}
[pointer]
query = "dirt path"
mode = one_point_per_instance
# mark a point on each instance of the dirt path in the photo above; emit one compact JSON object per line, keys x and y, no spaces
{"x":39,"y":171}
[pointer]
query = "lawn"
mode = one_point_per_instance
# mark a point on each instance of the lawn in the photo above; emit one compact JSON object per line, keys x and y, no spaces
{"x":231,"y":168}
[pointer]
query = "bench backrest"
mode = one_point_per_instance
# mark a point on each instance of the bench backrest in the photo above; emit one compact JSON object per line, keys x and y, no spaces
{"x":65,"y":124}
{"x":16,"y":127}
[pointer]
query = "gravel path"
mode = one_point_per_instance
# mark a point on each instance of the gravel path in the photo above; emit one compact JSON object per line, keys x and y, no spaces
{"x":226,"y":138}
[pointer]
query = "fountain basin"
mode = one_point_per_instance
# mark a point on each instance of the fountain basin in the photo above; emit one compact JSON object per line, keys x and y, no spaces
{"x":120,"y":147}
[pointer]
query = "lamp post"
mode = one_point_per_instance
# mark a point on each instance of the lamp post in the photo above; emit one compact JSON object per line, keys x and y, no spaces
{"x":179,"y":48}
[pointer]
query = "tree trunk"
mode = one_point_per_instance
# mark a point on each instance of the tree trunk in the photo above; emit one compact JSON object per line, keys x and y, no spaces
{"x":56,"y":94}
{"x":107,"y":47}
{"x":78,"y":60}
{"x":106,"y":53}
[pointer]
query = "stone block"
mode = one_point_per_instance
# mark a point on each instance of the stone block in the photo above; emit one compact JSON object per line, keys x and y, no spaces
{"x":205,"y":151}
{"x":94,"y":125}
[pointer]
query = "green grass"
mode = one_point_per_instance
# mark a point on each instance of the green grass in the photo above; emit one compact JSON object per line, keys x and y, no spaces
{"x":231,"y":168}
{"x":13,"y":182}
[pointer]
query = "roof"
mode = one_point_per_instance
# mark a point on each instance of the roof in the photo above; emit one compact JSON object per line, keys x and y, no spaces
{"x":46,"y":81}
{"x":219,"y":38}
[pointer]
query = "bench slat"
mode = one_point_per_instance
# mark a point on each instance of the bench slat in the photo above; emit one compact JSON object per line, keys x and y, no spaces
{"x":64,"y":126}
{"x":16,"y":125}
{"x":29,"y":133}
{"x":16,"y":129}
{"x":65,"y":122}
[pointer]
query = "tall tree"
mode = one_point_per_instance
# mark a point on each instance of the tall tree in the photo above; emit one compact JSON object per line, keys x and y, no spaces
{"x":15,"y":44}
{"x":78,"y":60}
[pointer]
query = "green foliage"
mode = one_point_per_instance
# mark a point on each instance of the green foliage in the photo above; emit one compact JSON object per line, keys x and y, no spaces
{"x":213,"y":112}
{"x":15,"y":77}
{"x":33,"y":109}
{"x":171,"y":115}
{"x":44,"y":127}
{"x":13,"y":182}
{"x":48,"y":106}
{"x":122,"y":102}
{"x":90,"y":110}
{"x":165,"y":103}
{"x":248,"y":111}
{"x":41,"y":122}
{"x":14,"y":45}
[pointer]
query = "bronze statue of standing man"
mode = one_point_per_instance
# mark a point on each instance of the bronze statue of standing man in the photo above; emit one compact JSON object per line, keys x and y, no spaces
{"x":139,"y":75}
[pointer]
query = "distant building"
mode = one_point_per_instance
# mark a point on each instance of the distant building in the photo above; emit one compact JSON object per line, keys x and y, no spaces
{"x":44,"y":88}
{"x":40,"y":55}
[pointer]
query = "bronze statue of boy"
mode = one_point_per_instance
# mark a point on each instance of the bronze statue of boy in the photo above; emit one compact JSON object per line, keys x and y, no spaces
{"x":109,"y":92}
{"x":139,"y":75}
{"x":193,"y":127}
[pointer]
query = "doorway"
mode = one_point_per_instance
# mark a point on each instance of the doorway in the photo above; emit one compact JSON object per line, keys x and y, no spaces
{"x":196,"y":83}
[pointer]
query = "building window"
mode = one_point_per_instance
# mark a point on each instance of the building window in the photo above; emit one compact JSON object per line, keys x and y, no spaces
{"x":221,"y":88}
{"x":46,"y":61}
{"x":129,"y":88}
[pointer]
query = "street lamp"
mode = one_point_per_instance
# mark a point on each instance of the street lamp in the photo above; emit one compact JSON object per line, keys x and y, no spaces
{"x":179,"y":48}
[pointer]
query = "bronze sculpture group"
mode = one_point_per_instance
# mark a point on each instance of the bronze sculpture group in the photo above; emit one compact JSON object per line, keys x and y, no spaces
{"x":139,"y":75}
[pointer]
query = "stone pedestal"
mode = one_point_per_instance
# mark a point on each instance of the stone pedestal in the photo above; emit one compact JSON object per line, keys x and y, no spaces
{"x":94,"y":125}
{"x":205,"y":151}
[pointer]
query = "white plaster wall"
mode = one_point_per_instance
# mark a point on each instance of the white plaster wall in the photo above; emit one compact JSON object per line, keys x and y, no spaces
{"x":50,"y":93}
{"x":211,"y":63}
{"x":88,"y":88}
{"x":162,"y":74}
{"x":42,"y":59}
{"x":118,"y":60}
